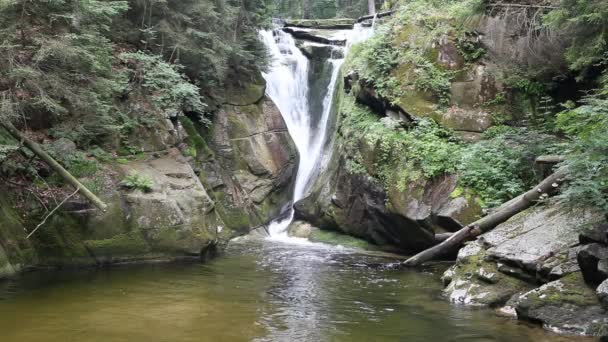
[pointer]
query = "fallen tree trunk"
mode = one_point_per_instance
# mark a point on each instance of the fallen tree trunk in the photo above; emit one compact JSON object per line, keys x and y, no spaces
{"x":377,"y":15}
{"x":503,"y":213}
{"x":38,"y":151}
{"x":311,"y":37}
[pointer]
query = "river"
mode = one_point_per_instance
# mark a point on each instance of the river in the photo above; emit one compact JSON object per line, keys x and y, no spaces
{"x":257,"y":291}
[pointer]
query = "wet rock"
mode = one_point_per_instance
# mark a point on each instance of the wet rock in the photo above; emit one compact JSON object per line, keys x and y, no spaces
{"x":473,"y":280}
{"x":593,"y":261}
{"x":566,"y":305}
{"x":363,"y":214}
{"x":602,"y":294}
{"x":300,"y":229}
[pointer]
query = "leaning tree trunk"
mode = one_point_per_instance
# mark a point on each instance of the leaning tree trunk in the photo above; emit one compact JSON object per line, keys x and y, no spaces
{"x":503,"y":213}
{"x":371,"y":7}
{"x":34,"y":147}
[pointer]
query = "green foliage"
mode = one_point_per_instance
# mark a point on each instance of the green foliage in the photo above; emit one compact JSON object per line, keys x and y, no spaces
{"x":401,"y":156}
{"x":170,"y":90}
{"x":135,"y":181}
{"x":471,"y":49}
{"x":585,"y":24}
{"x":500,"y":167}
{"x":401,"y":57}
{"x":587,"y":156}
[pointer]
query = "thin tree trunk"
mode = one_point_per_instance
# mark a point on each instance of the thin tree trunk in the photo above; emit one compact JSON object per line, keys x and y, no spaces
{"x":371,"y":7}
{"x":307,"y":8}
{"x":503,"y":213}
{"x":34,"y":147}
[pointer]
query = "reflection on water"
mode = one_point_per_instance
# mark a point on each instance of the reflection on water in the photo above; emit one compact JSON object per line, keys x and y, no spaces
{"x":258,"y":291}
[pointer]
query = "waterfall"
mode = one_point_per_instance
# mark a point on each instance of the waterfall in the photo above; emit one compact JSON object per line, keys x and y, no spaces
{"x":287,"y":85}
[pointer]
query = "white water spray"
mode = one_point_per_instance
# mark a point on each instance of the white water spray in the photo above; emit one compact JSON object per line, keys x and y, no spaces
{"x":287,"y":85}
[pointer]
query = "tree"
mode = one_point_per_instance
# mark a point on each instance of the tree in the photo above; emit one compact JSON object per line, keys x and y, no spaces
{"x":371,"y":6}
{"x":307,"y":9}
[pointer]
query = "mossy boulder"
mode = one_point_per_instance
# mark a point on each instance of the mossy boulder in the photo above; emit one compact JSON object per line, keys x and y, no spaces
{"x":567,"y":305}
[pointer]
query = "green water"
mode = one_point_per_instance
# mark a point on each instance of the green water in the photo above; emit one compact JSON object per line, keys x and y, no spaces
{"x":255,"y":292}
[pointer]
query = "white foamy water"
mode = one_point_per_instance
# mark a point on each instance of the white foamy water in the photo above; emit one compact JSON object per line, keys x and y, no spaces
{"x":287,"y":85}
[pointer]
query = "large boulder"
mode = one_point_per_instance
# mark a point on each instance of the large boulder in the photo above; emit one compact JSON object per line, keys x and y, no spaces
{"x":602,"y":294}
{"x":248,"y":161}
{"x":593,"y":261}
{"x":534,"y":246}
{"x":566,"y":305}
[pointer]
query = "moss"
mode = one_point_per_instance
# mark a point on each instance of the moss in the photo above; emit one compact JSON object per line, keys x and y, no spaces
{"x":334,"y":238}
{"x":119,"y":245}
{"x":569,"y":289}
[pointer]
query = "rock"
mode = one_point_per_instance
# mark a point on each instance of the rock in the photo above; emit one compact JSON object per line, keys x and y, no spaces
{"x":593,"y":261}
{"x":532,"y":246}
{"x":566,"y":305}
{"x":473,"y":280}
{"x":337,"y":23}
{"x":597,"y":233}
{"x":448,"y":54}
{"x":316,"y":36}
{"x":602,"y":294}
{"x":533,"y":236}
{"x":468,"y":120}
{"x":300,"y":229}
{"x":248,"y":162}
{"x":64,"y":147}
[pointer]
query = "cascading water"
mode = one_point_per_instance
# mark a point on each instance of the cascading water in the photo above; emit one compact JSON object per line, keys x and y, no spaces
{"x":288,"y":86}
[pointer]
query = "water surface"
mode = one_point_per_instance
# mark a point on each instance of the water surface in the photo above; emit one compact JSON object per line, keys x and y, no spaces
{"x":257,"y":291}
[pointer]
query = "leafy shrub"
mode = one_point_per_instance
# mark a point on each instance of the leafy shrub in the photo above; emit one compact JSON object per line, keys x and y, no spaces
{"x":499,"y":168}
{"x":170,"y":90}
{"x":135,"y":181}
{"x":587,"y":156}
{"x":426,"y":151}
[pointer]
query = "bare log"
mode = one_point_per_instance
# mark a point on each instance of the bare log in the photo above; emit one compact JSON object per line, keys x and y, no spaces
{"x":377,"y":15}
{"x":38,"y":151}
{"x":549,"y":159}
{"x":503,"y":213}
{"x":442,"y":237}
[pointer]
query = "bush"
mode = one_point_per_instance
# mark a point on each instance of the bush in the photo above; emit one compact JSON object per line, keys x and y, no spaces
{"x":587,"y":156}
{"x":135,"y":181}
{"x":499,"y":168}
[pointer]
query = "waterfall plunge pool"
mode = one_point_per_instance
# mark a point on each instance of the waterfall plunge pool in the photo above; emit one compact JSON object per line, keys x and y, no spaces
{"x":258,"y":291}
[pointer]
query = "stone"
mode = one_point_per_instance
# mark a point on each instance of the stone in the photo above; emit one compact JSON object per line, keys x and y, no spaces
{"x":602,"y":294}
{"x":597,"y":233}
{"x":300,"y":229}
{"x":533,"y":236}
{"x":336,"y":23}
{"x":468,"y":120}
{"x":64,"y":147}
{"x":593,"y":261}
{"x":566,"y":305}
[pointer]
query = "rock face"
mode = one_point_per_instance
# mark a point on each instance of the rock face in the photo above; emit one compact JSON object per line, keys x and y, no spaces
{"x":538,"y":246}
{"x":248,"y":162}
{"x":203,"y":193}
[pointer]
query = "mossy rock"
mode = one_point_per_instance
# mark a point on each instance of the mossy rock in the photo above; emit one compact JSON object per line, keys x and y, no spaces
{"x":122,"y":245}
{"x":338,"y":239}
{"x":567,"y":304}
